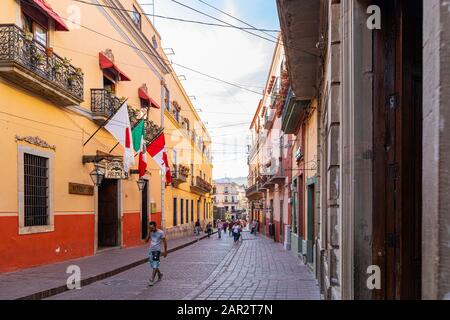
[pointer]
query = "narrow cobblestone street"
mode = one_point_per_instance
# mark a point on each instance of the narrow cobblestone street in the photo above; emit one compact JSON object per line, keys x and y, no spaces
{"x":213,"y":269}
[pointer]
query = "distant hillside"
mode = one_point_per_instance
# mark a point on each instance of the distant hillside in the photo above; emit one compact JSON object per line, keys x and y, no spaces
{"x":238,"y":180}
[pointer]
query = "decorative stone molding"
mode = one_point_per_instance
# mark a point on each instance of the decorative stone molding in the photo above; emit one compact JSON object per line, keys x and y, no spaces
{"x":36,"y":141}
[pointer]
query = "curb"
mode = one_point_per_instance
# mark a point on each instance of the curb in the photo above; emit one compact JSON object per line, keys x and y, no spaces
{"x":84,"y":282}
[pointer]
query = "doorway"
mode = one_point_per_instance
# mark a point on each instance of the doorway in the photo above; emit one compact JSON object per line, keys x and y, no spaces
{"x":397,"y":174}
{"x":310,"y":194}
{"x":144,"y":218}
{"x":108,"y":214}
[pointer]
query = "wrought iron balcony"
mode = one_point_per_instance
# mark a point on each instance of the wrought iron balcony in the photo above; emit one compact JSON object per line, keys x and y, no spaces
{"x":200,"y":185}
{"x":274,"y":175}
{"x":293,"y":113}
{"x":180,"y":174}
{"x":30,"y":65}
{"x":103,"y":104}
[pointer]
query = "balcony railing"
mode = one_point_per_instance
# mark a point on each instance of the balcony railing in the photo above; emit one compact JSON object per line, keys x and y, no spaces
{"x":180,"y":174}
{"x":201,"y":185}
{"x":103,"y":104}
{"x":29,"y":64}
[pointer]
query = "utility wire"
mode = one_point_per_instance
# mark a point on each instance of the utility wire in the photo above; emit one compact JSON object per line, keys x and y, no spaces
{"x":158,"y":57}
{"x":246,"y":31}
{"x":235,"y":18}
{"x":174,"y":18}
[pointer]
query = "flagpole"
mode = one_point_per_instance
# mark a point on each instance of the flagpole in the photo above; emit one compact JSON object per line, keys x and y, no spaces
{"x":104,"y":123}
{"x":119,"y":142}
{"x":163,"y":177}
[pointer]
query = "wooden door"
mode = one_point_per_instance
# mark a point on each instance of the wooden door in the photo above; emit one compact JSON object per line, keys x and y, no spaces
{"x":397,"y":141}
{"x":108,"y":218}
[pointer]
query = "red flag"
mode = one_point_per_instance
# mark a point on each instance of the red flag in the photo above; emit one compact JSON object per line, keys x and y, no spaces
{"x":157,"y":150}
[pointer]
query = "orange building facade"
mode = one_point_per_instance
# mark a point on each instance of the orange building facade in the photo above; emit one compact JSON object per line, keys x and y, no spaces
{"x":65,"y":69}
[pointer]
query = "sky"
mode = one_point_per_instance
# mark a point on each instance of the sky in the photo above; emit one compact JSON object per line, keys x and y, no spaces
{"x":226,"y":53}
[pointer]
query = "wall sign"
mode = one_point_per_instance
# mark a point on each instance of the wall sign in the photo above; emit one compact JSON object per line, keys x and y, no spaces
{"x":82,"y":189}
{"x":114,"y":170}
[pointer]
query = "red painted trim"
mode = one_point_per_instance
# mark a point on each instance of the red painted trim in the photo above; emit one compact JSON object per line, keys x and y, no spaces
{"x":73,"y":238}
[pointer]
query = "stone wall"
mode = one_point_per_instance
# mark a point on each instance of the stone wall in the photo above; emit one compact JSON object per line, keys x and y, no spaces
{"x":436,"y":151}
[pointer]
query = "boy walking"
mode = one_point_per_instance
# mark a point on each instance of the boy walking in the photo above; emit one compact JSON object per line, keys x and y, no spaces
{"x":157,"y":236}
{"x":219,"y":228}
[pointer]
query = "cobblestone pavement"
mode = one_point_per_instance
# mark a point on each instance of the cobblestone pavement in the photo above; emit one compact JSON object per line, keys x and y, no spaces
{"x":30,"y":281}
{"x":213,"y":269}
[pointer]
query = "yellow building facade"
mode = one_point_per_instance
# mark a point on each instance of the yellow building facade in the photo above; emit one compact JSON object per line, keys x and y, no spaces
{"x":65,"y":68}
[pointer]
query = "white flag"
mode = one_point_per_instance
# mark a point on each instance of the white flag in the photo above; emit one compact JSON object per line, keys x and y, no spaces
{"x":119,"y":126}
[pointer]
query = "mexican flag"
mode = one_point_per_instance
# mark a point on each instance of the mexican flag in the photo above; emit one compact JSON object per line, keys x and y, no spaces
{"x":140,"y":147}
{"x":157,"y":150}
{"x":119,"y":126}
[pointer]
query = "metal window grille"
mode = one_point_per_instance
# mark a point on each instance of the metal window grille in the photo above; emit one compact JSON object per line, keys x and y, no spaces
{"x":35,"y":190}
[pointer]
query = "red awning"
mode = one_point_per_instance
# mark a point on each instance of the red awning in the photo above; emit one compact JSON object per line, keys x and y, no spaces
{"x":144,"y":96}
{"x":47,"y":9}
{"x":106,"y":63}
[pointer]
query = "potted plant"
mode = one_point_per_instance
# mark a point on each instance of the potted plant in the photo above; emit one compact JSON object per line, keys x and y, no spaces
{"x":49,"y":51}
{"x":66,"y":62}
{"x":79,"y":72}
{"x":74,"y":75}
{"x":39,"y":57}
{"x":29,"y":35}
{"x":58,"y":66}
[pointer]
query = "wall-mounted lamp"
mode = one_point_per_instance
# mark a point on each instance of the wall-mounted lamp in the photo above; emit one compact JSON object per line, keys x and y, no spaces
{"x":141,"y":184}
{"x":97,"y":175}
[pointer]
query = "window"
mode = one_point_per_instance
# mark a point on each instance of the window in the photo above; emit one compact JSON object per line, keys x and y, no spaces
{"x":174,"y":157}
{"x":192,"y":210}
{"x":204,"y":209}
{"x":187,"y":210}
{"x":136,"y":17}
{"x":40,"y":33}
{"x":181,"y":211}
{"x":167,"y":98}
{"x":35,"y":190}
{"x":175,"y":222}
{"x":294,"y":207}
{"x":109,"y":85}
{"x":154,"y":42}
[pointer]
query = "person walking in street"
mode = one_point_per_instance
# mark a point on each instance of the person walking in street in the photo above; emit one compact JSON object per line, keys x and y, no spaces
{"x":254,"y":226}
{"x":230,"y":227}
{"x":225,"y":226}
{"x":209,"y":229}
{"x":157,"y":236}
{"x":197,"y":227}
{"x":236,"y":232}
{"x":219,"y":228}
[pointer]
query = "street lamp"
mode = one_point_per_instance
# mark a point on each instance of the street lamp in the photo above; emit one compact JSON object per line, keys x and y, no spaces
{"x":141,"y":184}
{"x":97,"y":175}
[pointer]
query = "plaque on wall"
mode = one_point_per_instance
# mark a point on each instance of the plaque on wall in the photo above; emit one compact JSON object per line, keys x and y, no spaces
{"x":81,"y":189}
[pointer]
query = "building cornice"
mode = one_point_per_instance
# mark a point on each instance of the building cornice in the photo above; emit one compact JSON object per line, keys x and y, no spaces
{"x":137,"y":34}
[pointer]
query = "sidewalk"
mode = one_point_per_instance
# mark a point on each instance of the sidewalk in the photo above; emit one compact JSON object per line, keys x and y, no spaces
{"x":45,"y":281}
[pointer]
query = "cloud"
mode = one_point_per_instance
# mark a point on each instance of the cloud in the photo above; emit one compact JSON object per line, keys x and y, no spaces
{"x":225,"y":53}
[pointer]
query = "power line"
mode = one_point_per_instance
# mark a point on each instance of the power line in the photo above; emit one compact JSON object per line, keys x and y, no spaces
{"x":174,"y":18}
{"x":217,"y":19}
{"x":231,"y":16}
{"x":246,"y":31}
{"x":159,"y":57}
